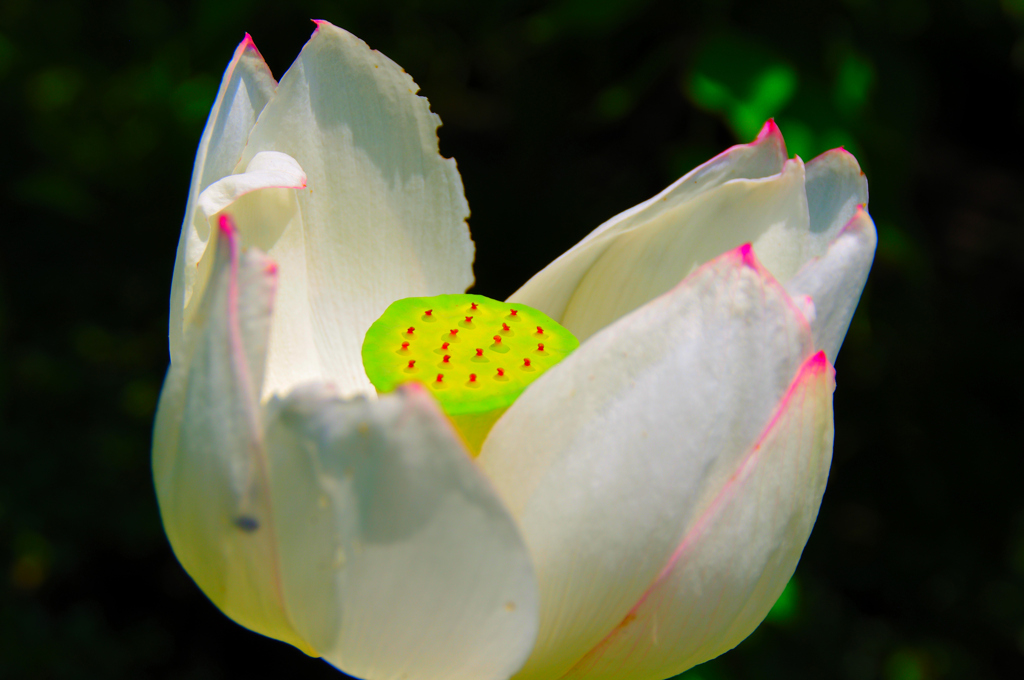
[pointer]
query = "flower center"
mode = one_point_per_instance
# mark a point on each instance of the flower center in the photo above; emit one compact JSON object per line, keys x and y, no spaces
{"x":475,"y":354}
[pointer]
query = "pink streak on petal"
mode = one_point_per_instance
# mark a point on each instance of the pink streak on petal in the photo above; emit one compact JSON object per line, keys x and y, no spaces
{"x":238,"y":357}
{"x":239,"y":360}
{"x":227,"y":225}
{"x":812,"y":368}
{"x":230,"y":234}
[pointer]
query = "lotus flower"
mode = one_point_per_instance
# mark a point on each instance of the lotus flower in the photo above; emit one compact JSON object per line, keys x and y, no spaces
{"x":636,"y":511}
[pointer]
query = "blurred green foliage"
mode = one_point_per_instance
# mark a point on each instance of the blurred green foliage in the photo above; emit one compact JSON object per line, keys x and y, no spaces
{"x":560,"y":114}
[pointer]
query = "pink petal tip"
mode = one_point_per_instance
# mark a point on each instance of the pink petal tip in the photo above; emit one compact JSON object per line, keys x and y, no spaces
{"x":769,"y":129}
{"x":817,"y":363}
{"x":861,"y":213}
{"x":839,"y":150}
{"x":746,"y":255}
{"x":248,"y":44}
{"x":227,"y":225}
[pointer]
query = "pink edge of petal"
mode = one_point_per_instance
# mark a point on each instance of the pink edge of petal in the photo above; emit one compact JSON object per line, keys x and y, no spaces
{"x":812,"y":368}
{"x":745,"y":256}
{"x":768,"y":131}
{"x":417,"y":393}
{"x":838,"y":151}
{"x":302,"y":185}
{"x":748,"y":258}
{"x":278,"y":186}
{"x":861,"y":213}
{"x":412,"y":387}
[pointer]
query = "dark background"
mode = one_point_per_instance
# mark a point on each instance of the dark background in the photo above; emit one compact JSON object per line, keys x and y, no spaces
{"x":560,"y":114}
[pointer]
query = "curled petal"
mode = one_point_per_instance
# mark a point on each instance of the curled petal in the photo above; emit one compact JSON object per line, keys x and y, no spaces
{"x":263,"y":202}
{"x":609,"y":457}
{"x":736,"y":557}
{"x":398,"y":560}
{"x":245,"y":88}
{"x":266,"y":170}
{"x":209,"y":458}
{"x":384,"y":215}
{"x":552,"y":289}
{"x":834,"y":281}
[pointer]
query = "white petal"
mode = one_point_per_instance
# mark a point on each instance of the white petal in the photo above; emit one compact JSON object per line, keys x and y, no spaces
{"x":835,"y":187}
{"x":208,"y":455}
{"x":398,"y":559}
{"x":245,"y":88}
{"x":737,"y":556}
{"x":835,"y":281}
{"x":384,"y":214}
{"x":610,"y":455}
{"x":551,"y":289}
{"x":645,"y":262}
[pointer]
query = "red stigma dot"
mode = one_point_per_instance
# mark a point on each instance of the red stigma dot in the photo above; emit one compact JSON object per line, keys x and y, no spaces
{"x":445,"y":345}
{"x":429,"y":312}
{"x":469,"y":319}
{"x":472,"y":307}
{"x":513,"y":312}
{"x":472,"y":377}
{"x":411,"y":329}
{"x":479,"y":352}
{"x":540,"y":331}
{"x":497,"y":339}
{"x":501,"y":372}
{"x":455,"y":331}
{"x":504,"y":327}
{"x":405,"y":345}
{"x":440,"y":377}
{"x":540,"y":346}
{"x":446,"y":358}
{"x":526,"y":362}
{"x":412,"y":362}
